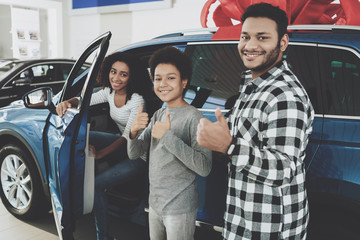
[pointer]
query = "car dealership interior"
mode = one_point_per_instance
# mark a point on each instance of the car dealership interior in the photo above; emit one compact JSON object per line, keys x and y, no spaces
{"x":64,"y":29}
{"x":53,"y":50}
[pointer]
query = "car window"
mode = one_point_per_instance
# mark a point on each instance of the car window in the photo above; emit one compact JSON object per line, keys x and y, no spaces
{"x":41,"y":70}
{"x":26,"y":74}
{"x":216,"y":75}
{"x":76,"y":85}
{"x":7,"y":68}
{"x":341,"y":81}
{"x":40,"y":73}
{"x":303,"y":62}
{"x":51,"y":72}
{"x":65,"y":70}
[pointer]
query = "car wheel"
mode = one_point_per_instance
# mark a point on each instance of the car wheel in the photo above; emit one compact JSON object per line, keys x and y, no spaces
{"x":20,"y":188}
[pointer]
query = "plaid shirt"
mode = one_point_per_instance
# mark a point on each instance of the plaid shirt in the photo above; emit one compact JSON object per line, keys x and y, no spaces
{"x":271,"y":122}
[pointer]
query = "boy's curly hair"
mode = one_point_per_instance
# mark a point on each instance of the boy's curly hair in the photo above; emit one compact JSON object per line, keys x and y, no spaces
{"x":173,"y":56}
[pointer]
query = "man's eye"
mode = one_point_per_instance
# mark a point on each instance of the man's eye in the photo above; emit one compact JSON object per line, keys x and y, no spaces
{"x":263,"y":38}
{"x":171,"y":78}
{"x":244,"y":37}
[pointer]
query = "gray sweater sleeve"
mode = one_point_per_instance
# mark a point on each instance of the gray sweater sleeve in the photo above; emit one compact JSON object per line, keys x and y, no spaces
{"x":194,"y":157}
{"x":138,"y":146}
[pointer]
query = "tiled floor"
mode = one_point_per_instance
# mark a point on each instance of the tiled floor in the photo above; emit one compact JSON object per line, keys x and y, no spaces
{"x":15,"y":229}
{"x":44,"y":228}
{"x":338,"y":225}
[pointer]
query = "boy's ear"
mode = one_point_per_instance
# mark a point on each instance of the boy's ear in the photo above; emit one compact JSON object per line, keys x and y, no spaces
{"x":184,"y":82}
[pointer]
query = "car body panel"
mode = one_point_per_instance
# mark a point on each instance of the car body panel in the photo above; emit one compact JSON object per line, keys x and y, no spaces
{"x":27,"y":126}
{"x":339,"y":175}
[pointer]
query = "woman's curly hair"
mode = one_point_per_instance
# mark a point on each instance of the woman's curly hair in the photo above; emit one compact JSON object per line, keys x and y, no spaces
{"x":139,"y":79}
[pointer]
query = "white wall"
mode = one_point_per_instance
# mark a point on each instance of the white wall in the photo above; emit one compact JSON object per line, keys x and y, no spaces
{"x":5,"y":27}
{"x":51,"y":26}
{"x":74,"y":32}
{"x":44,"y":32}
{"x":185,"y":14}
{"x":127,"y":27}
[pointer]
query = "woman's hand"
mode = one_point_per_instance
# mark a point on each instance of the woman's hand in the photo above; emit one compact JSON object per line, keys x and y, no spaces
{"x":92,"y":150}
{"x":140,"y":122}
{"x":61,"y":108}
{"x":97,"y":154}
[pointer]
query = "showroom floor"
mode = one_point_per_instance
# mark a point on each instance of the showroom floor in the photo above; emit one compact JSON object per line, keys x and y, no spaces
{"x":13,"y":228}
{"x":334,"y":228}
{"x":44,"y":228}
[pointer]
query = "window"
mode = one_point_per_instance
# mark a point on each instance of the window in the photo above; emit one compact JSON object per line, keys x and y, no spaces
{"x":42,"y":73}
{"x":65,"y":70}
{"x":341,"y":81}
{"x":216,"y":75}
{"x":7,"y":68}
{"x":302,"y":61}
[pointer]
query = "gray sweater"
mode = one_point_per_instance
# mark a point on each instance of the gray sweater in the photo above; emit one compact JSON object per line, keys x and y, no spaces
{"x":174,"y":161}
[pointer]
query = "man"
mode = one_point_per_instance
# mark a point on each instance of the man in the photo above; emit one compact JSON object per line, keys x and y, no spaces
{"x":265,"y":136}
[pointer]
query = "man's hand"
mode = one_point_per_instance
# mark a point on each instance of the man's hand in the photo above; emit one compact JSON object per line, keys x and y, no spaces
{"x":140,"y":122}
{"x":214,"y":136}
{"x":61,"y":108}
{"x":160,"y":128}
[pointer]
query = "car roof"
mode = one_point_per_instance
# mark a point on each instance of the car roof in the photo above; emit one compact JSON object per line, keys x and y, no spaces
{"x":322,"y":33}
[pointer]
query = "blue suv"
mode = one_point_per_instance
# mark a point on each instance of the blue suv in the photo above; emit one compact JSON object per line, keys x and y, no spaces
{"x":45,"y":157}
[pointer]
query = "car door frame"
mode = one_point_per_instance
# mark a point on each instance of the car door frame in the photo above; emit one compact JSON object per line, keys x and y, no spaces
{"x":67,"y":157}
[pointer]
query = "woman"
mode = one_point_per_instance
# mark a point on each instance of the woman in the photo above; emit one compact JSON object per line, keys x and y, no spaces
{"x":125,"y":84}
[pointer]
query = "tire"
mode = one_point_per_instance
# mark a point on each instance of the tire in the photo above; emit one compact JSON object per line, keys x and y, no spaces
{"x":21,"y":188}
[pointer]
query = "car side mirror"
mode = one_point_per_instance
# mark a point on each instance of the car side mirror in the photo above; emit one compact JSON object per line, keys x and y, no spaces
{"x":40,"y":98}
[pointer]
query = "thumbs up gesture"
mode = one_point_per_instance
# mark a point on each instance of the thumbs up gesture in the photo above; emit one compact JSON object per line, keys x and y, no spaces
{"x":160,"y":128}
{"x":214,"y":136}
{"x":140,"y":122}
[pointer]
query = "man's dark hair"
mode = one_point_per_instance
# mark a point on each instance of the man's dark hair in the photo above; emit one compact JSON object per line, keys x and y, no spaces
{"x":172,"y":55}
{"x":268,"y":11}
{"x":139,"y":79}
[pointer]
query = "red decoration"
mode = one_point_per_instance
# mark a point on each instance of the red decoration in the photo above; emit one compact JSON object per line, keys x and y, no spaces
{"x":347,"y":12}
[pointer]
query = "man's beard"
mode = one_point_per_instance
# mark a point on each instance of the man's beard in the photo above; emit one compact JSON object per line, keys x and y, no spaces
{"x":271,"y":59}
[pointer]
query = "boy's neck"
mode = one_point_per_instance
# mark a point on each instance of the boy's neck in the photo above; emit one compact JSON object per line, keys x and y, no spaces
{"x":177,"y":104}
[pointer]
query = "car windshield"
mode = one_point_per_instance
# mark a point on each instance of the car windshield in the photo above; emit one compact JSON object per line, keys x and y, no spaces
{"x":6,"y":68}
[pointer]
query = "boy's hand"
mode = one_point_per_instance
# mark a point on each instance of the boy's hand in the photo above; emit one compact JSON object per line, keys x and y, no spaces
{"x":160,"y":128}
{"x":214,"y":136}
{"x":140,"y":122}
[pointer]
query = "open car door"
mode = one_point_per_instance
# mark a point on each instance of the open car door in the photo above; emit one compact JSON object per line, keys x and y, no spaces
{"x":70,"y":166}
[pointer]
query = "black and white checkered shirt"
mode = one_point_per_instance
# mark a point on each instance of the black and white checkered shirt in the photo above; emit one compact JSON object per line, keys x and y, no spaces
{"x":271,"y":122}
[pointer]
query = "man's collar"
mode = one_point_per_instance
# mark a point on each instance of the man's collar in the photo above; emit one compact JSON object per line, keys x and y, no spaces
{"x":261,"y":80}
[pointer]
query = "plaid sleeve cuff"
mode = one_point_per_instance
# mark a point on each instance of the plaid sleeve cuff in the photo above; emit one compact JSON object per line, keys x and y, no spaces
{"x":241,"y":153}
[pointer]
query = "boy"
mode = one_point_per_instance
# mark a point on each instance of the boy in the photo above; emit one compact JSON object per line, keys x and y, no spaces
{"x":175,"y":156}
